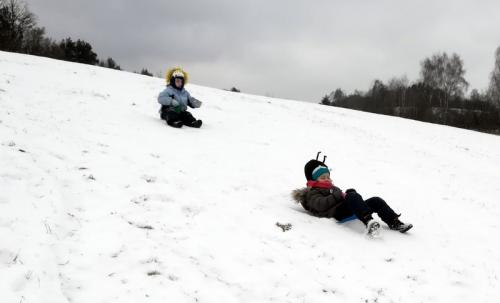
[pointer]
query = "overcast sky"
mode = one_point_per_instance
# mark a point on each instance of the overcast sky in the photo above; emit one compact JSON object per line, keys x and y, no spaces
{"x":282,"y":48}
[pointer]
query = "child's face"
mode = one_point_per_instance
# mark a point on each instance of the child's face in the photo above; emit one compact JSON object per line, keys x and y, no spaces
{"x":324,"y":177}
{"x":178,"y":82}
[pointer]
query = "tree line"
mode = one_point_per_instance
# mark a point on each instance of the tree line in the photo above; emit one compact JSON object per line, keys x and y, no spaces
{"x":437,"y":97}
{"x":20,"y":33}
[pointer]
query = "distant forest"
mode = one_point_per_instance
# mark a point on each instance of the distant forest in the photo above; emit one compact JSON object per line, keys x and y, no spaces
{"x":19,"y":32}
{"x":439,"y":96}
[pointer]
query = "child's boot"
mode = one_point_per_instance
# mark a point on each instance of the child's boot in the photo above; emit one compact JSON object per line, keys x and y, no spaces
{"x":372,"y":226}
{"x":176,"y":124}
{"x":400,"y":226}
{"x":195,"y":124}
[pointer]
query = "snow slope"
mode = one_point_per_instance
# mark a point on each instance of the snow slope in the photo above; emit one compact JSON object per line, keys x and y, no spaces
{"x":108,"y":204}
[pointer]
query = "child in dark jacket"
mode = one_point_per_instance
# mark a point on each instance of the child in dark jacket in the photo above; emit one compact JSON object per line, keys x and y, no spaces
{"x":323,"y":199}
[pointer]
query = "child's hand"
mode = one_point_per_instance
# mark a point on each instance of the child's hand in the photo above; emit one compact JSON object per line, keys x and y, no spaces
{"x":176,"y":105}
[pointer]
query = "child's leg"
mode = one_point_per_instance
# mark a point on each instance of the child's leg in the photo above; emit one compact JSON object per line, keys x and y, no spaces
{"x":342,"y":212}
{"x":357,"y":205}
{"x":383,"y":210}
{"x":171,"y":117}
{"x":187,"y":118}
{"x":164,"y":112}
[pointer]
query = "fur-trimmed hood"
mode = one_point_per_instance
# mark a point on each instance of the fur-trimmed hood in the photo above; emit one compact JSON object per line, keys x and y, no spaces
{"x":299,"y":195}
{"x":171,"y":71}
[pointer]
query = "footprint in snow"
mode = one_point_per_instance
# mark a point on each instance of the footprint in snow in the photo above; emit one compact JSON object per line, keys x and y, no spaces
{"x":140,"y":200}
{"x":9,"y":143}
{"x":8,"y":257}
{"x":151,"y":260}
{"x":149,"y":179}
{"x":190,"y":212}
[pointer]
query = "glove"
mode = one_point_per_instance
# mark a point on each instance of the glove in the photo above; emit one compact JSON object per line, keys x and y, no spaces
{"x":195,"y":103}
{"x":337,"y":194}
{"x":175,"y":104}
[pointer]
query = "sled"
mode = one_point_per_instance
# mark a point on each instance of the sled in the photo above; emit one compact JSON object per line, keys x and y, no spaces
{"x":353,"y":217}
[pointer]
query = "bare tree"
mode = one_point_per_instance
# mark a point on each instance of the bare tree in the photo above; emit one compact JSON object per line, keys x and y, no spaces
{"x":445,"y":73}
{"x":399,"y":85}
{"x":335,"y":96}
{"x":494,"y":88}
{"x":15,"y":21}
{"x":34,"y":41}
{"x":378,"y":89}
{"x":475,"y":95}
{"x":338,"y":95}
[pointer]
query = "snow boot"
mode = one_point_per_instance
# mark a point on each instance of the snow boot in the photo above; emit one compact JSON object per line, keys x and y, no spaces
{"x":195,"y":124}
{"x":373,"y":228}
{"x":400,"y":226}
{"x":176,"y":124}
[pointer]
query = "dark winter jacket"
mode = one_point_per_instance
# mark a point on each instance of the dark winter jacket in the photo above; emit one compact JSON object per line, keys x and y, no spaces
{"x":320,"y":202}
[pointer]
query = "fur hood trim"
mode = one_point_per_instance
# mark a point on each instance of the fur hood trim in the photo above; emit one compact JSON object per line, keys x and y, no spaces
{"x":299,"y":195}
{"x":171,"y":71}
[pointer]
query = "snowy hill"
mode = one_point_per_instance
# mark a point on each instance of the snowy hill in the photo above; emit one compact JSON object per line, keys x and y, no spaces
{"x":100,"y":201}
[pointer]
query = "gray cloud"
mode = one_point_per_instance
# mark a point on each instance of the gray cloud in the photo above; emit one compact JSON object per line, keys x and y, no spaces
{"x":294,"y":49}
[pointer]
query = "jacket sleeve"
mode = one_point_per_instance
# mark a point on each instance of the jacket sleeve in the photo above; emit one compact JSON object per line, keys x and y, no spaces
{"x":338,"y":194}
{"x":193,"y":102}
{"x":321,"y":203}
{"x":165,"y":97}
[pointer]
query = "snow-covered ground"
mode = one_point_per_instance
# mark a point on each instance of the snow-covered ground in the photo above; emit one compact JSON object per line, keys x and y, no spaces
{"x":100,"y":201}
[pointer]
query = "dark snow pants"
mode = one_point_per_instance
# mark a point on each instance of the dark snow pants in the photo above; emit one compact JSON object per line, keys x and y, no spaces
{"x":171,"y":116}
{"x":355,"y":205}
